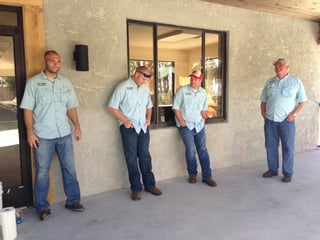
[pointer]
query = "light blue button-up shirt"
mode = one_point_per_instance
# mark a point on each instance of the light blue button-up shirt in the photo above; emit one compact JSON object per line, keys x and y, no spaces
{"x":282,"y":96}
{"x":133,"y":102}
{"x":49,"y":100}
{"x":190,"y":103}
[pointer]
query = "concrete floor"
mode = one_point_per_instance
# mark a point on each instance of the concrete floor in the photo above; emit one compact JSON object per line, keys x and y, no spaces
{"x":244,"y":206}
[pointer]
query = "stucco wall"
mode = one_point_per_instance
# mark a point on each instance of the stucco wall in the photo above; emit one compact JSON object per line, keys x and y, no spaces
{"x":255,"y":41}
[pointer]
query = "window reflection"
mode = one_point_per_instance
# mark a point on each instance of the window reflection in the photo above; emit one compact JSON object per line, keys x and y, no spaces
{"x":178,"y":51}
{"x":213,"y":87}
{"x":9,"y":136}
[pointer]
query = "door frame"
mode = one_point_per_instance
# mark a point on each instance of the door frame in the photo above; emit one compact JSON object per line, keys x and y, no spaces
{"x":32,"y":31}
{"x":19,"y":195}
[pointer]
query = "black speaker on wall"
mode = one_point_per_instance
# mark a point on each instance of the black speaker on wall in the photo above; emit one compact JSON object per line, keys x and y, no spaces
{"x":81,"y":58}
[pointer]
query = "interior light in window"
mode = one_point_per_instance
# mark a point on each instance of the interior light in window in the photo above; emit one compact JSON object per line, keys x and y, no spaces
{"x":177,"y":36}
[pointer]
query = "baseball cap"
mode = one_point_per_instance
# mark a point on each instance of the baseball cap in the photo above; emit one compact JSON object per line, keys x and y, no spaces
{"x":196,"y":74}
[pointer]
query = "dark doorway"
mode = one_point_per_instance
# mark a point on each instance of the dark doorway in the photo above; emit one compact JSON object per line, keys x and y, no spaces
{"x":15,"y":159}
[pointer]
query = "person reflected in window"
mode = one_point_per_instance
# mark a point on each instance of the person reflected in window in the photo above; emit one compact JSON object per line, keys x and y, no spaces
{"x":49,"y":102}
{"x":282,"y":98}
{"x":190,"y":107}
{"x":131,"y":104}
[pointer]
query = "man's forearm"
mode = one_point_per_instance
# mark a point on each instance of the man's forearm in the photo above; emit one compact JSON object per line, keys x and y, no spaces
{"x":73,"y":115}
{"x":28,"y":120}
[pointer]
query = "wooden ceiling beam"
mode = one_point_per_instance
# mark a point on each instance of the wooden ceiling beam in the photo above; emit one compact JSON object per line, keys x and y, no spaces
{"x":302,"y":9}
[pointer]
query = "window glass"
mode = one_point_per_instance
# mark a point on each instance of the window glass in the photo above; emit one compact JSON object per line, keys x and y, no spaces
{"x":177,"y":51}
{"x":141,"y":49}
{"x":8,"y":18}
{"x":141,"y":54}
{"x":10,"y":168}
{"x":213,"y":75}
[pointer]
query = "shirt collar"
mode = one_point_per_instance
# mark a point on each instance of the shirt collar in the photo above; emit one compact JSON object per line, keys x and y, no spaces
{"x":193,"y":90}
{"x":283,"y":77}
{"x":44,"y":76}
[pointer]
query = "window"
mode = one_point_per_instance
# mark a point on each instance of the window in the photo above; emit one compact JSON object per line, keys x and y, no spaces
{"x":177,"y":51}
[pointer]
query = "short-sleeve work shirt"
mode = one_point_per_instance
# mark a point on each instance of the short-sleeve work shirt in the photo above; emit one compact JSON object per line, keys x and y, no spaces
{"x":282,"y":96}
{"x":191,"y":103}
{"x":133,"y":102}
{"x":49,"y":100}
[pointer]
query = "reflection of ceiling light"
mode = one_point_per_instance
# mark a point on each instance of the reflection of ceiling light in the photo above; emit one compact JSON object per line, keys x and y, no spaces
{"x":177,"y":36}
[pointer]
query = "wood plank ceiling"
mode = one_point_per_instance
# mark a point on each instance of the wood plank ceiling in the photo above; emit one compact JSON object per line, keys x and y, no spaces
{"x":303,"y":9}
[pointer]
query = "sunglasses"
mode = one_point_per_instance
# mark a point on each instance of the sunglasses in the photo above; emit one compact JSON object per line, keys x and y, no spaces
{"x":146,"y":75}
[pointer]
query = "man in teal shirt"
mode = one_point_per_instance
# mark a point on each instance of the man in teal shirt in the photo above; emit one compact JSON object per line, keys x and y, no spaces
{"x":190,"y":105}
{"x":49,"y":101}
{"x":131,"y":105}
{"x":282,"y":98}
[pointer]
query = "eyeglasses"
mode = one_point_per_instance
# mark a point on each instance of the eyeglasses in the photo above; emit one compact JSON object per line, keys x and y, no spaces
{"x":146,"y":75}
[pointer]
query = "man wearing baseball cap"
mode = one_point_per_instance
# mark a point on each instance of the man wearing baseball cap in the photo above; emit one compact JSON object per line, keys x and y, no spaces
{"x":190,"y":105}
{"x":282,"y":98}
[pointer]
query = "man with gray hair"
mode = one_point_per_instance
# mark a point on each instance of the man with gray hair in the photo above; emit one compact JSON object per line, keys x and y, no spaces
{"x":282,"y":98}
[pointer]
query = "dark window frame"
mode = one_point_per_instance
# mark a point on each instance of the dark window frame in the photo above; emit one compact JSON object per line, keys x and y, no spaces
{"x":20,"y":195}
{"x":223,"y":40}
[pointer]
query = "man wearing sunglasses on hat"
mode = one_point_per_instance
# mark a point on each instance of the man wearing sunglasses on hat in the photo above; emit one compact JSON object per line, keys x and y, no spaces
{"x":131,"y":104}
{"x":190,"y":105}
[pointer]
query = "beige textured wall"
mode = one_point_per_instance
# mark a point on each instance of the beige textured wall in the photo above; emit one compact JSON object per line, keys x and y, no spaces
{"x":255,"y":40}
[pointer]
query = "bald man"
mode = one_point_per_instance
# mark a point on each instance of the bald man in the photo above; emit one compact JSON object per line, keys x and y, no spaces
{"x":132,"y":106}
{"x":49,"y":102}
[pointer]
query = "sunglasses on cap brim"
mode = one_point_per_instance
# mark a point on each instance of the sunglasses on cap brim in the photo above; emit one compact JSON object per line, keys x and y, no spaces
{"x":146,"y":75}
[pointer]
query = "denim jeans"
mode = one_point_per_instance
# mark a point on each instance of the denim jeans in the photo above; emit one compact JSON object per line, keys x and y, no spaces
{"x":43,"y":156}
{"x":136,"y":151}
{"x":196,"y":143}
{"x":274,"y":132}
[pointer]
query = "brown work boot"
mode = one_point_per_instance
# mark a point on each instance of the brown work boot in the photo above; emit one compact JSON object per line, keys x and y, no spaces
{"x":76,"y":207}
{"x":192,"y":179}
{"x":155,"y":191}
{"x":287,"y":178}
{"x":135,"y":196}
{"x":269,"y":174}
{"x":210,"y":182}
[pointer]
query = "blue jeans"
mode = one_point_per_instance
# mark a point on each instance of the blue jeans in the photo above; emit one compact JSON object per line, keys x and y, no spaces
{"x":43,"y":156}
{"x":136,"y":152}
{"x":274,"y":132}
{"x":196,"y":143}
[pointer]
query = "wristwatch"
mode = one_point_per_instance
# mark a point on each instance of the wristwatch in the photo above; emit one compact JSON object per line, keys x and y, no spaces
{"x":294,"y":114}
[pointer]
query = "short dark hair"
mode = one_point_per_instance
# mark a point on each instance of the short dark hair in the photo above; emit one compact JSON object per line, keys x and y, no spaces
{"x":49,"y":52}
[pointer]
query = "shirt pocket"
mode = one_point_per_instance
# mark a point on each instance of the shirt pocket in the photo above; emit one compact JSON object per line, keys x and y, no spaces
{"x":145,"y":100}
{"x":44,"y":96}
{"x":200,"y":102}
{"x":188,"y":106}
{"x":130,"y":100}
{"x":271,"y":89}
{"x":288,"y":91}
{"x":64,"y":95}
